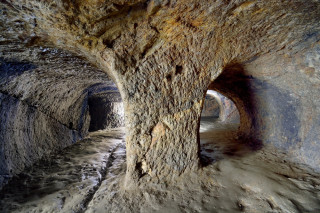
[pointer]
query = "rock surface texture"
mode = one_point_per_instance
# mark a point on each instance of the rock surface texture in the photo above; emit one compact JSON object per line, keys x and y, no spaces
{"x":163,"y":56}
{"x":211,"y":107}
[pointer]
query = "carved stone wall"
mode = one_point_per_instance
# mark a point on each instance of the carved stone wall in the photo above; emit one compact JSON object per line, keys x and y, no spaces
{"x":163,"y":55}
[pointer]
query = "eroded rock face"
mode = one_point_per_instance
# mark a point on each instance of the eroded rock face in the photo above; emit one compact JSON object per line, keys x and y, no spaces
{"x":211,"y":107}
{"x":163,"y":55}
{"x":27,"y":135}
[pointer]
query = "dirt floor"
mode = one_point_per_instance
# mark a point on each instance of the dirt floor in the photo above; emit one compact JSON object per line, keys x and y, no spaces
{"x":89,"y":176}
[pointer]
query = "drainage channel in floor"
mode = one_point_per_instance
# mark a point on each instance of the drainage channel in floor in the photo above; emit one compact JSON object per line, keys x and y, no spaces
{"x":68,"y":181}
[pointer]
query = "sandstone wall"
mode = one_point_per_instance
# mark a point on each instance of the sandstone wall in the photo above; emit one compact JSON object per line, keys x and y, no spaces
{"x":211,"y":107}
{"x":27,"y":135}
{"x":105,"y":115}
{"x":105,"y":107}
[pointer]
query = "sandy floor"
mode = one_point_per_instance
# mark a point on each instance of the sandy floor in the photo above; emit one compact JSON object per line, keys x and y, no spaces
{"x":88,"y":176}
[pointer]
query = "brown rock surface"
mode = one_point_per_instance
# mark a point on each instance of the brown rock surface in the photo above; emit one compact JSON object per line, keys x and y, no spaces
{"x":163,"y":55}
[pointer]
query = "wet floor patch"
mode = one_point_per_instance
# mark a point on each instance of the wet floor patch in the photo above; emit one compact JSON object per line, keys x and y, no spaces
{"x":66,"y":182}
{"x":218,"y":140}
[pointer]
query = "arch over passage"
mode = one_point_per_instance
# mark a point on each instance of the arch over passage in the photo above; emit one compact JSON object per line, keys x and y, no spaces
{"x":220,"y":120}
{"x":241,"y":87}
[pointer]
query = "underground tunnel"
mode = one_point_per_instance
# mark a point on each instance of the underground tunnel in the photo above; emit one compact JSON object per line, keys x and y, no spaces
{"x":159,"y":106}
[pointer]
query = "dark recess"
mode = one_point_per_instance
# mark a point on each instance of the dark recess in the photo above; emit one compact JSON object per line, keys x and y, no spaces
{"x":178,"y":69}
{"x":168,"y":77}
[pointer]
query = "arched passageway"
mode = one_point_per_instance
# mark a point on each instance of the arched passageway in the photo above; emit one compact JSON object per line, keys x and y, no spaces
{"x":220,"y":120}
{"x":105,"y":108}
{"x":49,"y":104}
{"x":163,"y":56}
{"x":220,"y":107}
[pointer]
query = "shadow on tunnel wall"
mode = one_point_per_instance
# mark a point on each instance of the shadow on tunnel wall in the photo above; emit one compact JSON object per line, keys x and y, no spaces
{"x":13,"y":68}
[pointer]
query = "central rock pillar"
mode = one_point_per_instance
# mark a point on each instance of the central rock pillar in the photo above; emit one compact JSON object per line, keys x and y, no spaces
{"x":163,"y":105}
{"x":161,"y":145}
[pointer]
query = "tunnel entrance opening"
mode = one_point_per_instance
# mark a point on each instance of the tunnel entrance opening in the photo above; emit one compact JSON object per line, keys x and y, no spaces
{"x":219,"y":125}
{"x":105,"y":108}
{"x":219,"y":108}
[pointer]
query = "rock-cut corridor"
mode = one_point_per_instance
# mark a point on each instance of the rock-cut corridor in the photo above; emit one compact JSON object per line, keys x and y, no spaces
{"x":165,"y":106}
